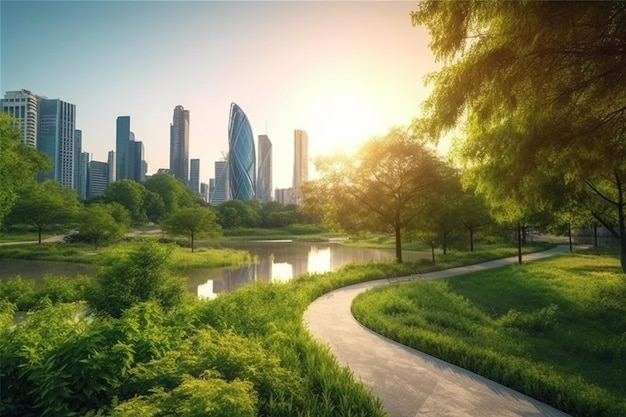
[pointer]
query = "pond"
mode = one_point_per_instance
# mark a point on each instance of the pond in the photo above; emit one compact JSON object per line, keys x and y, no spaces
{"x":276,"y":261}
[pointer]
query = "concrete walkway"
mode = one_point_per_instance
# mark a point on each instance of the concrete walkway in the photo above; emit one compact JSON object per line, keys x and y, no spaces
{"x":411,"y":383}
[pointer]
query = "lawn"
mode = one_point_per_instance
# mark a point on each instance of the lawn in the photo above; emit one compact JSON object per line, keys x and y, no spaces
{"x":554,"y":329}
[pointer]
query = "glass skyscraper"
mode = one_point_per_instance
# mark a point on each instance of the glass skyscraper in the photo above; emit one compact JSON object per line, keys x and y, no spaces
{"x":122,"y":138}
{"x":264,"y":178}
{"x":241,"y":156}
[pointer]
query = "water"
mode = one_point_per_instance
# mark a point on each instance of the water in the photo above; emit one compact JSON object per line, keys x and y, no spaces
{"x":276,"y":261}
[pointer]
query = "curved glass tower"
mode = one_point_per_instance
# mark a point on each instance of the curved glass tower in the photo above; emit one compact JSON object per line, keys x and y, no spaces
{"x":241,"y":156}
{"x":264,"y":179}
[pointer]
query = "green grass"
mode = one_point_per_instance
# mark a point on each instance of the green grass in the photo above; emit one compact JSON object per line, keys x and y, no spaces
{"x":85,"y":253}
{"x":554,"y":329}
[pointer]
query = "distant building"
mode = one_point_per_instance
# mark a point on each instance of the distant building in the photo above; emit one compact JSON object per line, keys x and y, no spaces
{"x":83,"y":173}
{"x":221,"y":191}
{"x":122,"y":139}
{"x":179,"y":144}
{"x":300,"y":162}
{"x":204,"y":191}
{"x":56,"y":138}
{"x":241,"y":156}
{"x":23,"y":105}
{"x":97,"y":178}
{"x":111,"y":164}
{"x":285,"y":196}
{"x":264,"y":177}
{"x":78,"y":149}
{"x":137,"y":166}
{"x":194,"y":176}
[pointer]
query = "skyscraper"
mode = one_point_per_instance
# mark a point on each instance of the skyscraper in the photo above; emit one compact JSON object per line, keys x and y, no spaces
{"x":264,"y":178}
{"x":55,"y":137}
{"x":179,"y":144}
{"x":194,"y":176}
{"x":241,"y":155}
{"x":111,"y":165}
{"x":23,"y":105}
{"x":221,"y":191}
{"x":78,"y":150}
{"x":97,"y":178}
{"x":136,"y":165}
{"x":300,"y":161}
{"x":122,"y":139}
{"x":83,"y":169}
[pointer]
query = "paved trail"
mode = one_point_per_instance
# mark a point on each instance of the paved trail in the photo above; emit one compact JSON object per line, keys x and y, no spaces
{"x":408,"y":382}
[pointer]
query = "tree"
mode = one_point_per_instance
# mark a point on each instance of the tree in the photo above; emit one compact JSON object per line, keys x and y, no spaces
{"x":537,"y":99}
{"x":384,"y":187}
{"x":45,"y":204}
{"x":18,"y":163}
{"x":103,"y":222}
{"x":131,"y":195}
{"x":172,"y":191}
{"x":193,"y":222}
{"x":237,"y":213}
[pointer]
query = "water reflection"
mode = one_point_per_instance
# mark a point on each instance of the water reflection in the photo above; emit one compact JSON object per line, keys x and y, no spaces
{"x":279,"y":261}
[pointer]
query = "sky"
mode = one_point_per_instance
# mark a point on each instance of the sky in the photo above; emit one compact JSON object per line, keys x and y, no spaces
{"x":342,"y":71}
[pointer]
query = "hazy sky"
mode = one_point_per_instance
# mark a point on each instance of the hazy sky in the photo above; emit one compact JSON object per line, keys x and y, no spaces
{"x":342,"y":71}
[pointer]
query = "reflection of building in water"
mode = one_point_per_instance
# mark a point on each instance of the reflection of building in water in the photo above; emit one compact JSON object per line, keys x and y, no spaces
{"x":319,"y":259}
{"x":234,"y":278}
{"x":264,"y":268}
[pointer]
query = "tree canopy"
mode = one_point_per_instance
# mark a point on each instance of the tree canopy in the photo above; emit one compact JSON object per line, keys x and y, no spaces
{"x":539,"y":90}
{"x":18,"y":163}
{"x":193,"y":222}
{"x":384,"y":187}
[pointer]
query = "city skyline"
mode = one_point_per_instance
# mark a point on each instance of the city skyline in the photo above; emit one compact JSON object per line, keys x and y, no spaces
{"x":344,"y":72}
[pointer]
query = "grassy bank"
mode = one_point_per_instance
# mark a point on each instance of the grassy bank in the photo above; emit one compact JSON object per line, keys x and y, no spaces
{"x":554,"y":329}
{"x":85,"y":253}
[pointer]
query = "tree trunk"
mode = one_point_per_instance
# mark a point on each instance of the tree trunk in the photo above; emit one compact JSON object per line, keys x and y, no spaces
{"x":39,"y":233}
{"x":192,"y":241}
{"x":569,"y":232}
{"x":398,"y":244}
{"x":620,"y":218}
{"x":519,"y":243}
{"x":471,"y":237}
{"x":595,"y":235}
{"x":432,"y":250}
{"x":445,"y":243}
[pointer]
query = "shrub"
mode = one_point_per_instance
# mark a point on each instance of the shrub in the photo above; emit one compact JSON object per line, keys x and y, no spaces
{"x":18,"y":291}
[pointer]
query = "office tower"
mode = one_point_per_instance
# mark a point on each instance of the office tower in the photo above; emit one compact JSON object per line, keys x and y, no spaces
{"x":78,"y":149}
{"x":194,"y":176}
{"x":241,"y":156}
{"x":221,"y":191}
{"x":122,"y":140}
{"x":97,"y":178}
{"x":23,"y":106}
{"x":111,"y":163}
{"x":264,"y":178}
{"x":204,"y":191}
{"x":137,"y":166}
{"x":179,"y":144}
{"x":55,"y":137}
{"x":81,"y":188}
{"x":300,"y":161}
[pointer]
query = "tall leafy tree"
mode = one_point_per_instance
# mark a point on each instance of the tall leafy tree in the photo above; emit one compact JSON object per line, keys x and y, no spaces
{"x":131,"y":195}
{"x":193,"y":222}
{"x":18,"y":163}
{"x":172,"y":191}
{"x":540,"y":89}
{"x":384,"y":187}
{"x":43,"y":205}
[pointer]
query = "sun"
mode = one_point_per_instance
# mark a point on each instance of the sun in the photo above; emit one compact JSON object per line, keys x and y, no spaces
{"x":341,"y":121}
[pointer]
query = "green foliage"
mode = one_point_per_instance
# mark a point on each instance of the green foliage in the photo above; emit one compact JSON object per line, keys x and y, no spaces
{"x":18,"y":291}
{"x":18,"y":163}
{"x":193,"y":222}
{"x":131,"y":195}
{"x":173,"y":196}
{"x":64,"y":289}
{"x":101,"y":223}
{"x":553,"y":329}
{"x":141,"y":274}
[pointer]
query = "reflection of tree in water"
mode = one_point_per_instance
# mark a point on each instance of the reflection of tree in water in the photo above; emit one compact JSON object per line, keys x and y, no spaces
{"x":234,"y":278}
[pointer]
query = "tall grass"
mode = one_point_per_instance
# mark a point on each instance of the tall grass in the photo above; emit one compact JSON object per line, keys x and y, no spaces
{"x":554,"y":329}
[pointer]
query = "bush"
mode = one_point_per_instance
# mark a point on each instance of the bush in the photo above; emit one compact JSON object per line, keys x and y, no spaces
{"x":18,"y":291}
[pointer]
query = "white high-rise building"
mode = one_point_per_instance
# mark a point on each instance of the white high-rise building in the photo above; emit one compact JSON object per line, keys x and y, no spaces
{"x":23,"y":106}
{"x":221,"y":191}
{"x":264,"y":175}
{"x":179,"y":144}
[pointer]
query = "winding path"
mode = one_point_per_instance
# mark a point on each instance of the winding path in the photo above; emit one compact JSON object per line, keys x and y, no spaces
{"x":408,"y":382}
